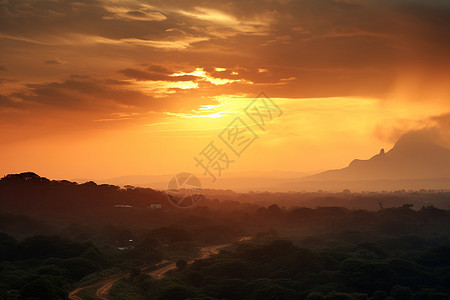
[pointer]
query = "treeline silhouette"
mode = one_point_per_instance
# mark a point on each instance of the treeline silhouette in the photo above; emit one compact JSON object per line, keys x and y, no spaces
{"x":29,"y":192}
{"x":58,"y":235}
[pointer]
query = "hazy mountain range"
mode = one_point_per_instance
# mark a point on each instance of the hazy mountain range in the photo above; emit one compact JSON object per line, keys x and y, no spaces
{"x":414,"y":156}
{"x":415,"y":162}
{"x":238,"y":181}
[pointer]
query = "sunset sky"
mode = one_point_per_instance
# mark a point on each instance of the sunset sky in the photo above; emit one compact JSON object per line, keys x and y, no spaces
{"x":106,"y":88}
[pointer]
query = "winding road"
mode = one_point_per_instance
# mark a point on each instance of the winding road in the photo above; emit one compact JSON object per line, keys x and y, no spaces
{"x":104,"y":286}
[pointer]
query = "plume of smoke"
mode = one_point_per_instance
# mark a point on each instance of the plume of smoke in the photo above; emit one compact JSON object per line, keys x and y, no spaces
{"x":435,"y":128}
{"x":442,"y":126}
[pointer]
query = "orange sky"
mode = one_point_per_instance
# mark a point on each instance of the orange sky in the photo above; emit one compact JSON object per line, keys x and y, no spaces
{"x":100,"y":89}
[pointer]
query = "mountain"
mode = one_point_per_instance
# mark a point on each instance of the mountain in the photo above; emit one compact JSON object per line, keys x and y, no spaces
{"x":237,"y":181}
{"x":414,"y":156}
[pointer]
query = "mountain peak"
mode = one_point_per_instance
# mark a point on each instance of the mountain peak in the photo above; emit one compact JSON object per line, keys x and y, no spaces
{"x":415,"y":155}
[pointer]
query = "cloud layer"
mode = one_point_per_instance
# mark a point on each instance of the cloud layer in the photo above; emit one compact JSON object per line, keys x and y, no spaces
{"x":83,"y":64}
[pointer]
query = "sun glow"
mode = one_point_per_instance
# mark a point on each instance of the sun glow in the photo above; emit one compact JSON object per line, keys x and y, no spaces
{"x":196,"y":116}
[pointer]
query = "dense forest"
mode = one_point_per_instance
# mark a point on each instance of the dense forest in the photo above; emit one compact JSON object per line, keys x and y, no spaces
{"x":58,"y":236}
{"x":405,"y":267}
{"x":41,"y":267}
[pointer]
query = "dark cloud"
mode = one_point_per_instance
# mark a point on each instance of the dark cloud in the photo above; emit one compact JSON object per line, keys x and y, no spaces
{"x":83,"y":94}
{"x":329,"y":47}
{"x":153,"y":76}
{"x":76,"y":76}
{"x":160,"y":69}
{"x":4,"y":100}
{"x":3,"y":68}
{"x":5,"y":80}
{"x":8,"y":102}
{"x":53,"y":62}
{"x":44,"y":22}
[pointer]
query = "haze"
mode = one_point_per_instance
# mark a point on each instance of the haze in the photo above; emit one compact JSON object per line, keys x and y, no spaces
{"x":240,"y":149}
{"x":103,"y":89}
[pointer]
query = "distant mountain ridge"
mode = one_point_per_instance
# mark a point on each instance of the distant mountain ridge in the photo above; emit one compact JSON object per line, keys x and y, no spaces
{"x":414,"y":156}
{"x":237,"y":181}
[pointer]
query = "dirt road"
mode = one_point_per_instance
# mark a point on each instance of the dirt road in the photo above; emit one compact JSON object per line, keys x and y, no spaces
{"x":102,"y":292}
{"x":105,"y":286}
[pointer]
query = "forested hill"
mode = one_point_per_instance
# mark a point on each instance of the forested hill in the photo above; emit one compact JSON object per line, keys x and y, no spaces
{"x":28,"y":192}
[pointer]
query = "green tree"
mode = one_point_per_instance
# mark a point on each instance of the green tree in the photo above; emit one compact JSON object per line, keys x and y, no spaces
{"x":399,"y":292}
{"x":181,"y":264}
{"x":39,"y":289}
{"x":379,"y":295}
{"x":176,"y":292}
